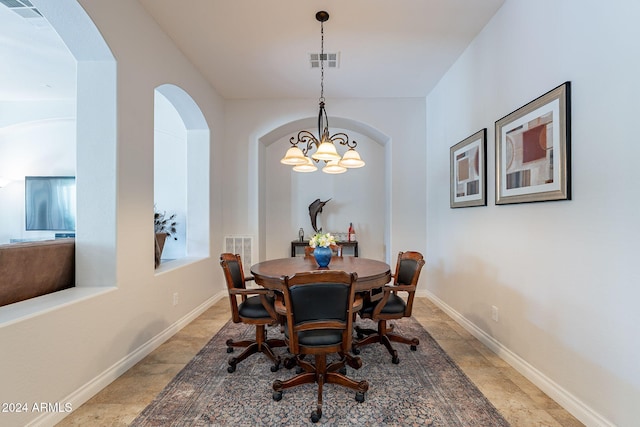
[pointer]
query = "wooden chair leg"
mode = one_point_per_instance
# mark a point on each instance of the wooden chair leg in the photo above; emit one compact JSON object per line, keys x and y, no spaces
{"x":394,"y":354}
{"x":413,"y":342}
{"x":337,"y":378}
{"x":231,"y":343}
{"x":320,"y":373}
{"x":385,"y":336}
{"x":304,"y":378}
{"x":259,"y":345}
{"x":361,"y":332}
{"x":233,"y":361}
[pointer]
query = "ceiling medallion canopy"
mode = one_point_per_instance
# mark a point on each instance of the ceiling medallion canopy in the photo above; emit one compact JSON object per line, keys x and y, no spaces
{"x":299,"y":154}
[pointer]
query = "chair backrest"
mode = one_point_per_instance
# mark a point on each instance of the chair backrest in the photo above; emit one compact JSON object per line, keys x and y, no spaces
{"x":407,"y":273}
{"x":234,"y":276}
{"x":320,"y":300}
{"x":408,"y":268}
{"x":233,"y":270}
{"x":335,"y":249}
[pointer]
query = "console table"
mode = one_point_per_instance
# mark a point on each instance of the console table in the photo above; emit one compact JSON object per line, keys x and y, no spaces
{"x":298,"y":244}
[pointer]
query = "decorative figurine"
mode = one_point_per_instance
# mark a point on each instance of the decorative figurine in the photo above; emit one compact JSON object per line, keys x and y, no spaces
{"x":314,"y":209}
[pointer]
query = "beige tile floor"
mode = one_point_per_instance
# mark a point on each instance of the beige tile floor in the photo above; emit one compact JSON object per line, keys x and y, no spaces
{"x":517,"y":399}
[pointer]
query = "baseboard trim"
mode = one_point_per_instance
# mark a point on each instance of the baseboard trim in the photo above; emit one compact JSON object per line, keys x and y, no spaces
{"x":90,"y":389}
{"x":568,"y":401}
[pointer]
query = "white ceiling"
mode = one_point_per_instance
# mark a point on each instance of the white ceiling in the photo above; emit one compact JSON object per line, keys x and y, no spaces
{"x":260,"y":48}
{"x":35,"y":64}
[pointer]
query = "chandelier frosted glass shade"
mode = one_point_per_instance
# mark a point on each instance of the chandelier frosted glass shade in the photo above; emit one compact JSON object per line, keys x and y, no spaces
{"x":326,"y":151}
{"x":309,"y":166}
{"x":351,"y":159}
{"x":333,"y":167}
{"x":294,"y":157}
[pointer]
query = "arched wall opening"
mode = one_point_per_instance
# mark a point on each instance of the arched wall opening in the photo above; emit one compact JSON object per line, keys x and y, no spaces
{"x":181,"y":170}
{"x":282,"y":196}
{"x":96,"y":141}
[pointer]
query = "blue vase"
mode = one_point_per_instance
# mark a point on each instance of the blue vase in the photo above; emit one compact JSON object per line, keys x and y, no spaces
{"x":322,"y":256}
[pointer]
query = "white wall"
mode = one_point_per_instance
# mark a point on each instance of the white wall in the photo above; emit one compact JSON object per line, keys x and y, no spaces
{"x":562,"y":274}
{"x":81,"y":339}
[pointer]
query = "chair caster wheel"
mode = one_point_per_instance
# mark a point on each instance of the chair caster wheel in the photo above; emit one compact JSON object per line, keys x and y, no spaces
{"x":413,"y":348}
{"x":231,"y":369}
{"x":229,"y":349}
{"x":299,"y":370}
{"x":355,"y":350}
{"x":277,"y":396}
{"x":343,"y":370}
{"x":275,"y":368}
{"x":360,"y":335}
{"x":359,"y":397}
{"x":315,"y":417}
{"x":395,"y":360}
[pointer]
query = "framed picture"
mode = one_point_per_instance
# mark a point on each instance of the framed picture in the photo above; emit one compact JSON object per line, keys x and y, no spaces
{"x":469,"y":171}
{"x":533,"y":161}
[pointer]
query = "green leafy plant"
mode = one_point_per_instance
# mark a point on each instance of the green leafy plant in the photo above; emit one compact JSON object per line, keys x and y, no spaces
{"x":164,"y":223}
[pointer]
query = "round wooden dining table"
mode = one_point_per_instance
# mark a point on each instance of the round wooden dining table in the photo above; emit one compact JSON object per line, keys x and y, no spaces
{"x":372,"y":274}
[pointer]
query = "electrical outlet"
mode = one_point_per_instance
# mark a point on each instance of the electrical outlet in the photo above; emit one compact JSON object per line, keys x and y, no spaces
{"x":175,"y":298}
{"x":494,"y":313}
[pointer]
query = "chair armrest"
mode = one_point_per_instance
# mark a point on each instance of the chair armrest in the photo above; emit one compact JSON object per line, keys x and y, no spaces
{"x":358,"y":303}
{"x":264,"y":293}
{"x":393,"y":288}
{"x":256,"y":291}
{"x":386,"y":292}
{"x":280,"y":307}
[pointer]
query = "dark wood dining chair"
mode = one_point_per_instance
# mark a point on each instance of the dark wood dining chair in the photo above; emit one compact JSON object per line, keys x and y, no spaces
{"x":336,"y":250}
{"x":256,"y":308}
{"x":391,"y":306}
{"x":319,"y":320}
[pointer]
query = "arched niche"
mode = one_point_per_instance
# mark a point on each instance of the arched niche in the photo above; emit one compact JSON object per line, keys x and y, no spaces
{"x":96,"y":141}
{"x":269,"y":172}
{"x":181,"y":170}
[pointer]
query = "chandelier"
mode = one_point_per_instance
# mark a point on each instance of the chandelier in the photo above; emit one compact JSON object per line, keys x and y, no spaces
{"x":299,"y":154}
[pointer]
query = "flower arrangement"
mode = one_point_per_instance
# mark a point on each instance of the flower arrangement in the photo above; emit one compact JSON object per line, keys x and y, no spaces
{"x":322,"y":240}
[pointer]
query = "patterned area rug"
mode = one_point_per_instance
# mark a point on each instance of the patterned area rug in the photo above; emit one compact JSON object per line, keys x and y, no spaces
{"x":426,"y":389}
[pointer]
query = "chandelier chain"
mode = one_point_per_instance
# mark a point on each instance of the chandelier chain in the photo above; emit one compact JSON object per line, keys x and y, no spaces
{"x":321,"y":62}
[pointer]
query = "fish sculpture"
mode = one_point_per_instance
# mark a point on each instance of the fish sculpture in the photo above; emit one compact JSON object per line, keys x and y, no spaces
{"x":314,"y":209}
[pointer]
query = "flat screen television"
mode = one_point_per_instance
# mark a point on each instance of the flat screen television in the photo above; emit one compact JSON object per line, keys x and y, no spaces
{"x":50,"y":203}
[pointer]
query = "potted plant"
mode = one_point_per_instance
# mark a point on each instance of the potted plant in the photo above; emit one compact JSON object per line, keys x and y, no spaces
{"x":164,"y":226}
